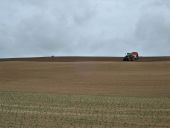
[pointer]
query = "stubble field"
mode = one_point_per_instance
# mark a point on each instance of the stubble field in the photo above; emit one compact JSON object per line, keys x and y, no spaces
{"x":95,"y":94}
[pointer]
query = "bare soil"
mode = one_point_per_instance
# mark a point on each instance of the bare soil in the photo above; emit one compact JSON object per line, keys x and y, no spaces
{"x":82,"y":75}
{"x":84,"y":59}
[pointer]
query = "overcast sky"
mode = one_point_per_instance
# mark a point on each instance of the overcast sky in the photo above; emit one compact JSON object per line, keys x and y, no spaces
{"x":84,"y":27}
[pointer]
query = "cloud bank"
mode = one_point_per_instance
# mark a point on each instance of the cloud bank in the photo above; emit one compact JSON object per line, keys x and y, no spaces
{"x":86,"y":27}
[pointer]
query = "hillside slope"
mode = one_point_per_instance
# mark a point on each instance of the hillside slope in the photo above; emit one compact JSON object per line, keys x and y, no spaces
{"x":106,"y":78}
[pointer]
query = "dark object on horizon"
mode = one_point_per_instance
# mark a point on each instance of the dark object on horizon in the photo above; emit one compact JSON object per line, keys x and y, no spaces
{"x":133,"y":56}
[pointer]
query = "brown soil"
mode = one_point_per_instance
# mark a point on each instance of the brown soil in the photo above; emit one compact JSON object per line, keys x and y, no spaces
{"x":84,"y":59}
{"x":150,"y":77}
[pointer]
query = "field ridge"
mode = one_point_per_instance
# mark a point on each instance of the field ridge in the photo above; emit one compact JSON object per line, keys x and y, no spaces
{"x":85,"y":58}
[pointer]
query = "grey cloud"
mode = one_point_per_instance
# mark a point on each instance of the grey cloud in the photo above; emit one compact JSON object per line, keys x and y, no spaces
{"x":62,"y":27}
{"x":153,"y":30}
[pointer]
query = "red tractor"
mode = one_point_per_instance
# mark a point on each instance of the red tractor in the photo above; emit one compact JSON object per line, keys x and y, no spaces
{"x":133,"y":56}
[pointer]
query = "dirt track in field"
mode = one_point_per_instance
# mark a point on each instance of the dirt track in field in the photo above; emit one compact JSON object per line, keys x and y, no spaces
{"x":144,"y":78}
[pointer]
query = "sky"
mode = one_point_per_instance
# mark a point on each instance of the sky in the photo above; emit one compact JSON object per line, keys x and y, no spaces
{"x":84,"y":27}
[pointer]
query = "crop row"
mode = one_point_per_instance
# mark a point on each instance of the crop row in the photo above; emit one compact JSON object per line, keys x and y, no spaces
{"x":44,"y":110}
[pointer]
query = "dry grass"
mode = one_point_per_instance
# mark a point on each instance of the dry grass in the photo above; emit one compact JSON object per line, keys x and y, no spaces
{"x":44,"y":110}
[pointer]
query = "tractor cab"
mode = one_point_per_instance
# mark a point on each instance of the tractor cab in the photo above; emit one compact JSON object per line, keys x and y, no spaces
{"x":133,"y":56}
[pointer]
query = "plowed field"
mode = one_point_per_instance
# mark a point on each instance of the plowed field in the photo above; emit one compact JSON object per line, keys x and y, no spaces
{"x":88,"y":77}
{"x":84,"y":93}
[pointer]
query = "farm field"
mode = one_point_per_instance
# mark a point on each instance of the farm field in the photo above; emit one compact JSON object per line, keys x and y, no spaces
{"x":44,"y":110}
{"x":85,"y":94}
